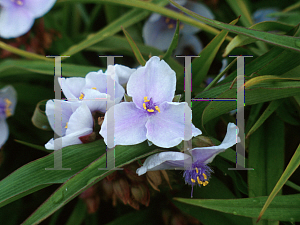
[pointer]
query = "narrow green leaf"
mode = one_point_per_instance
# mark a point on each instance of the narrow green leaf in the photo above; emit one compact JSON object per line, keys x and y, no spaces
{"x":33,"y":175}
{"x":240,"y":40}
{"x":158,"y":8}
{"x":283,"y":207}
{"x":125,"y":20}
{"x":174,"y":42}
{"x":134,"y":48}
{"x":289,"y":42}
{"x":241,"y":9}
{"x":68,"y":70}
{"x":38,"y":147}
{"x":291,"y":167}
{"x":86,"y":178}
{"x":201,"y":65}
{"x":266,"y":156}
{"x":23,"y":53}
{"x":266,"y":114}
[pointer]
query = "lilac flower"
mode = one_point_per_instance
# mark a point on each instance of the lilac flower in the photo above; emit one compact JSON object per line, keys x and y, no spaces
{"x":198,"y":171}
{"x":152,"y":115}
{"x":8,"y":100}
{"x":94,"y":86}
{"x":76,"y":121}
{"x":158,"y":30}
{"x":262,"y":15}
{"x":17,"y":16}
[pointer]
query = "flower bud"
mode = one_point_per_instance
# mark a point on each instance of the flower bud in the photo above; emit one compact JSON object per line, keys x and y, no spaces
{"x":141,"y":194}
{"x":154,"y":179}
{"x":122,"y":190}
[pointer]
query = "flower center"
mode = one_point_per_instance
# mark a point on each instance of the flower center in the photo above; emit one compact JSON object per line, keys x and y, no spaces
{"x":171,"y":23}
{"x":5,"y":110}
{"x":18,"y":2}
{"x":199,"y":174}
{"x":149,"y":106}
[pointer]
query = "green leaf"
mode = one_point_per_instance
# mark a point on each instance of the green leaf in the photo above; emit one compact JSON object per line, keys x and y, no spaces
{"x":266,"y":114}
{"x":291,"y":167}
{"x":33,"y":176}
{"x":240,"y":40}
{"x":78,"y":215}
{"x":289,"y":42}
{"x":18,"y":67}
{"x":87,"y":177}
{"x":158,"y":8}
{"x":241,"y":9}
{"x":174,"y":42}
{"x":134,"y":48}
{"x":283,"y":208}
{"x":201,"y":65}
{"x":266,"y":156}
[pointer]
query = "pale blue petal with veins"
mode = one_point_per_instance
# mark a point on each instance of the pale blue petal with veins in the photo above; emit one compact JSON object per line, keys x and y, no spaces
{"x":152,"y":115}
{"x":17,"y":16}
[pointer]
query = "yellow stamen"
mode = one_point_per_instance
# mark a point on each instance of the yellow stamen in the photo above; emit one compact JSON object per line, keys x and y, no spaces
{"x":8,"y":102}
{"x":167,"y":20}
{"x":157,"y":109}
{"x":193,"y":180}
{"x":66,"y":125}
{"x":7,"y":109}
{"x":197,"y":171}
{"x":150,"y":110}
{"x":144,"y":105}
{"x":94,"y":88}
{"x":170,"y":26}
{"x":81,"y":96}
{"x":205,"y":183}
{"x":199,"y":181}
{"x":204,"y":175}
{"x":146,"y":100}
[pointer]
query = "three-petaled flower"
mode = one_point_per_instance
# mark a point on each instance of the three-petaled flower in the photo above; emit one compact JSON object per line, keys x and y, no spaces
{"x":93,"y":88}
{"x":17,"y":16}
{"x":8,"y":100}
{"x":159,"y":30}
{"x":74,"y":122}
{"x":152,"y":115}
{"x":197,"y":171}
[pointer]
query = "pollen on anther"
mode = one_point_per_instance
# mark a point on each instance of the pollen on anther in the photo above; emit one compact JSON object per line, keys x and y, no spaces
{"x":81,"y":96}
{"x":144,"y":105}
{"x":199,"y":181}
{"x":66,"y":125}
{"x":8,"y":102}
{"x":167,"y":20}
{"x":197,"y":171}
{"x":205,"y":183}
{"x":170,"y":26}
{"x":150,"y":110}
{"x":204,"y":175}
{"x":193,"y":180}
{"x":145,"y":99}
{"x":157,"y":108}
{"x":94,"y":88}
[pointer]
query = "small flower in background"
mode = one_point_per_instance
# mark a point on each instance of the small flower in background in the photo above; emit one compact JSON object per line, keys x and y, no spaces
{"x":76,"y":122}
{"x":152,"y":115}
{"x":197,"y":159}
{"x":8,"y":101}
{"x":94,"y":86}
{"x":262,"y":15}
{"x":17,"y":16}
{"x":158,"y":30}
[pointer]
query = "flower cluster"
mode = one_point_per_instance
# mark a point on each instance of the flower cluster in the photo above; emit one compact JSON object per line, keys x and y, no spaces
{"x":152,"y":116}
